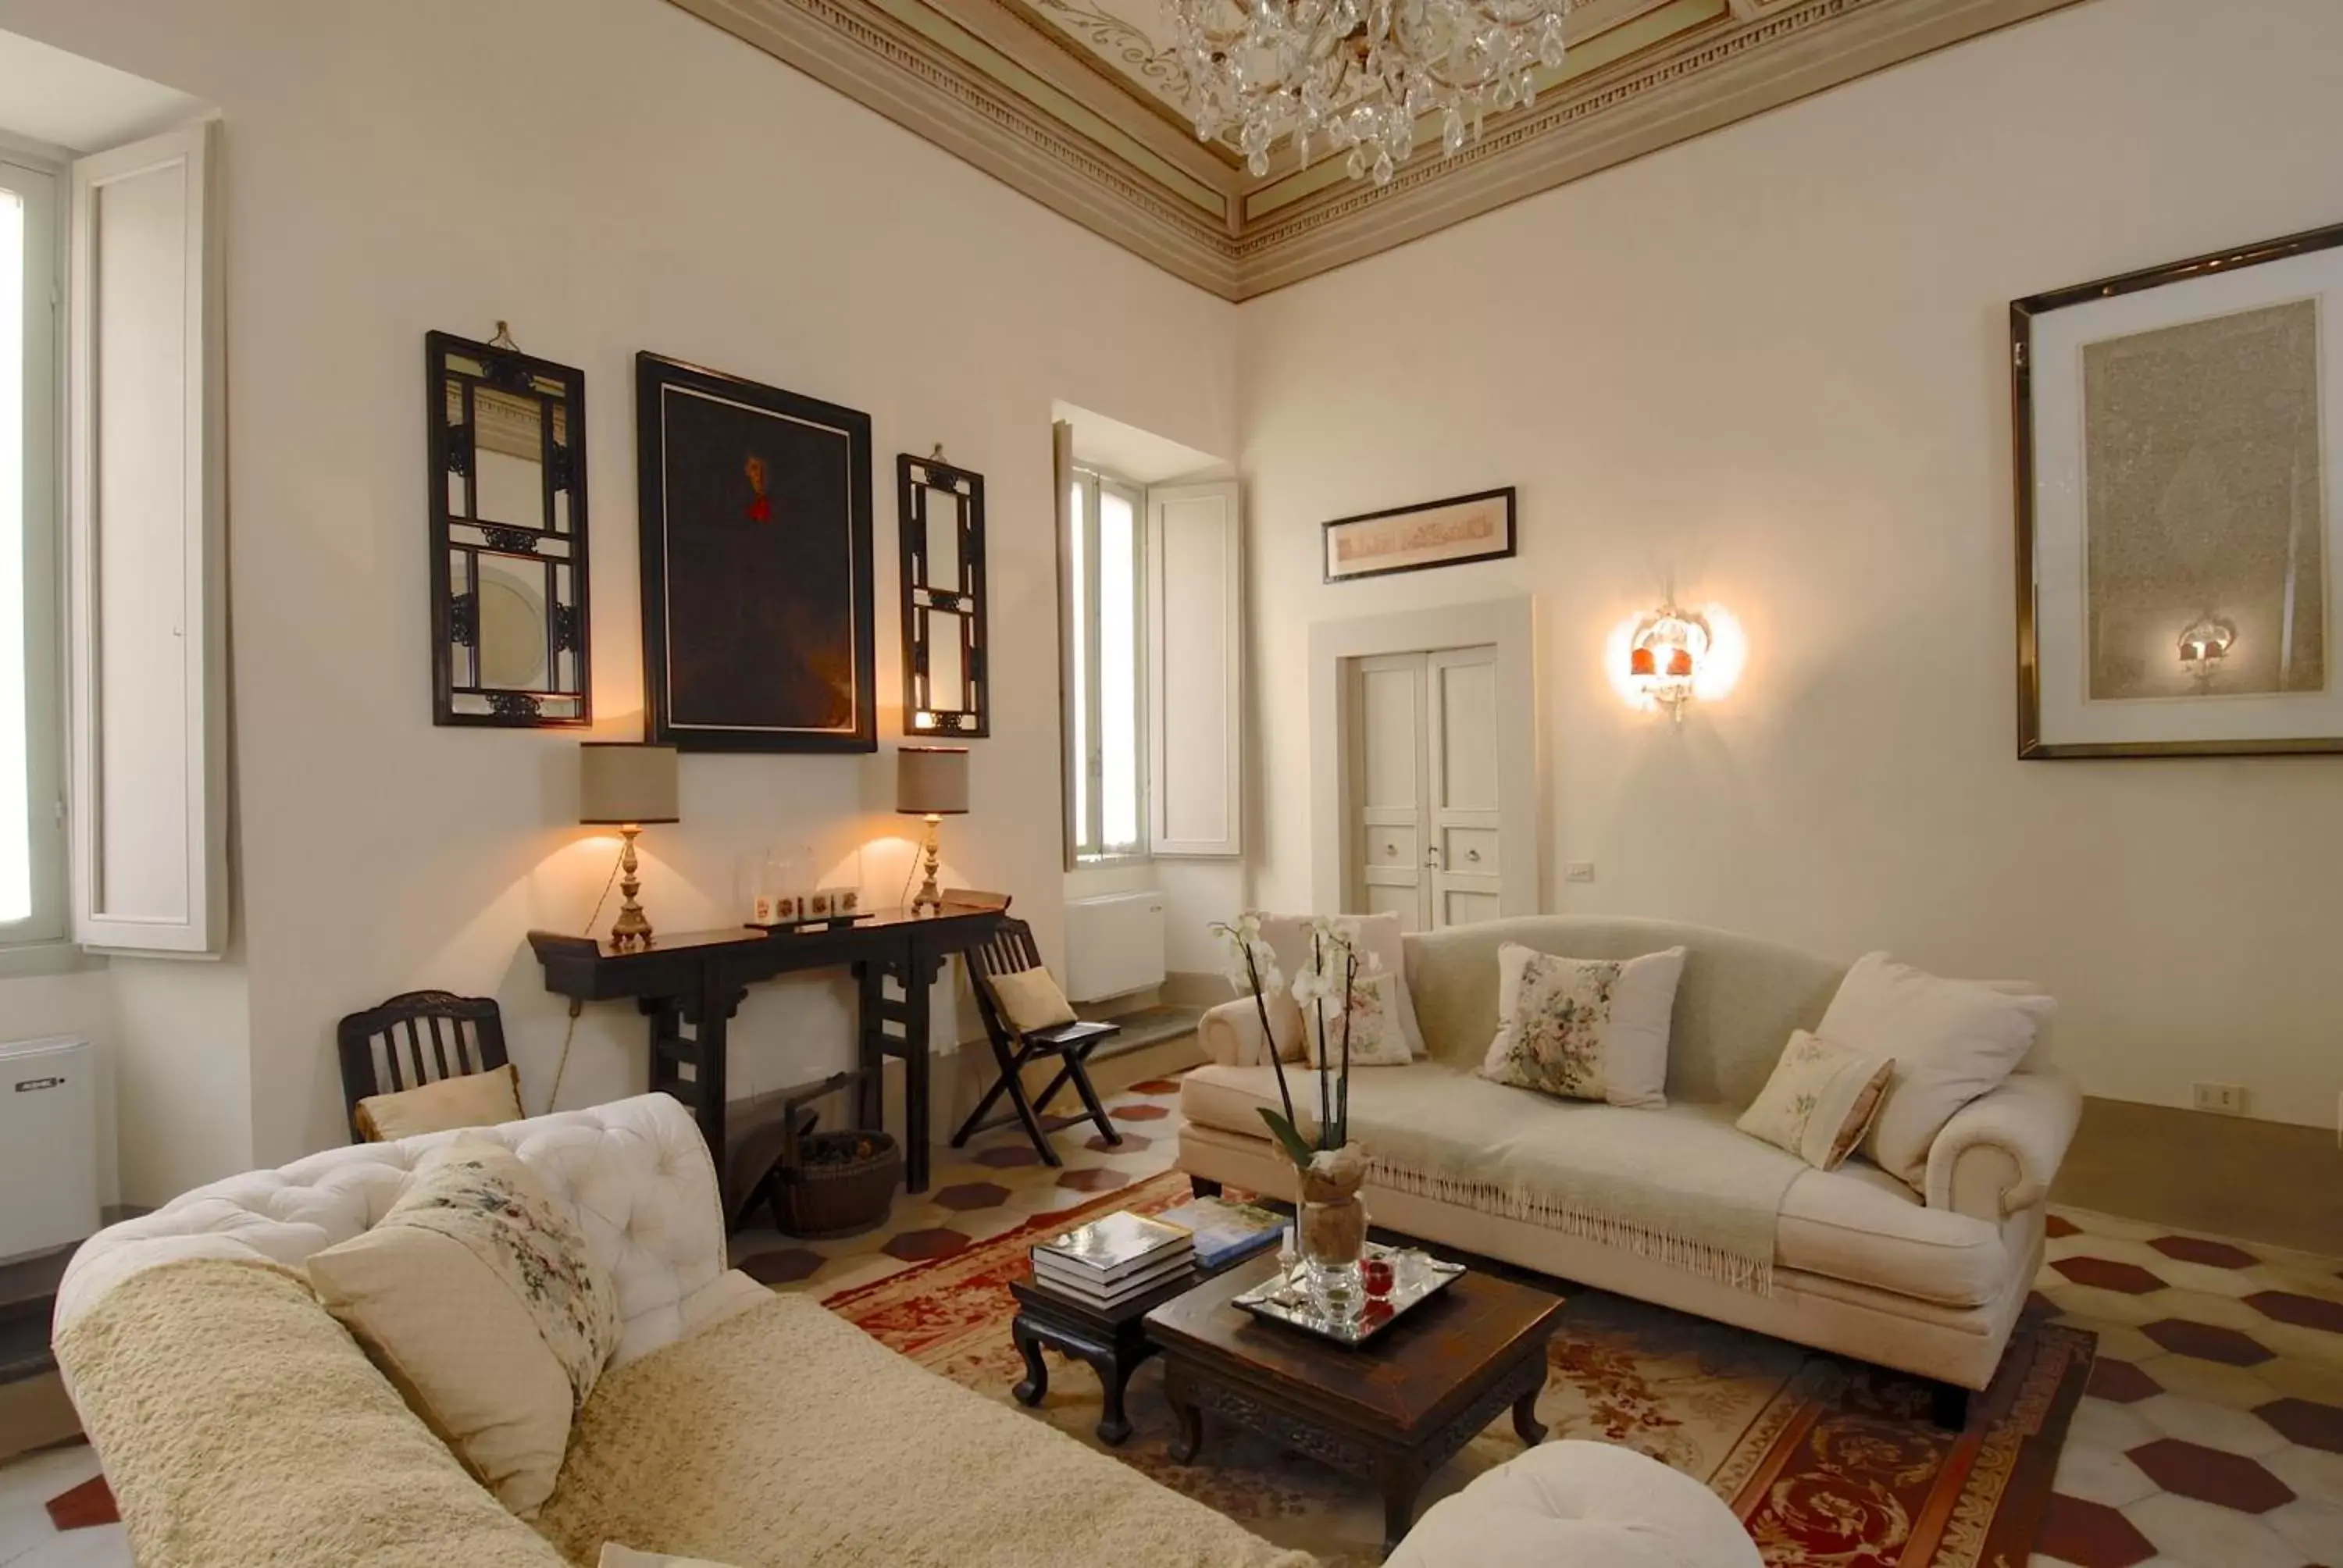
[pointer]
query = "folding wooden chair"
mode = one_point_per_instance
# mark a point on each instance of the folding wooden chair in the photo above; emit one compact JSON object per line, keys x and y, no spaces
{"x":1012,"y":952}
{"x":440,"y":1035}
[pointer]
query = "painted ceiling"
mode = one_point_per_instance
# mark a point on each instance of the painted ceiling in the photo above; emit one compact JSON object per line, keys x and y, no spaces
{"x":1083,"y":105}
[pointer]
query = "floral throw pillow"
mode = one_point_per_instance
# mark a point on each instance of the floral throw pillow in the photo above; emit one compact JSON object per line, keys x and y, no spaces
{"x":1376,"y":1039}
{"x":1821,"y":1099}
{"x":1554,"y":1014}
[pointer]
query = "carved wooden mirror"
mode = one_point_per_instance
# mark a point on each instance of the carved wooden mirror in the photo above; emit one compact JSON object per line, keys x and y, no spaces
{"x":507,"y":481}
{"x":944,"y":686}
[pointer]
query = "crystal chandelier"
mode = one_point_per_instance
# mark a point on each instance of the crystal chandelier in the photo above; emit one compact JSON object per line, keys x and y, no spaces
{"x":1360,"y":74}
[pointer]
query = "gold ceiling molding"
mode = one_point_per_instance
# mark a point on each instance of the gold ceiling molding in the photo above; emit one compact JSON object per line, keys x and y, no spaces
{"x":1070,"y":103}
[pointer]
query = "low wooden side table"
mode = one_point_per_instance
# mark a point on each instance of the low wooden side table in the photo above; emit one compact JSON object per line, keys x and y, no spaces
{"x":1392,"y":1411}
{"x":1112,"y":1339}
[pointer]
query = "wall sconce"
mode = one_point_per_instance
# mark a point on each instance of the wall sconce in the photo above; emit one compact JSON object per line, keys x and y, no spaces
{"x":1669,"y":655}
{"x":2203,"y":646}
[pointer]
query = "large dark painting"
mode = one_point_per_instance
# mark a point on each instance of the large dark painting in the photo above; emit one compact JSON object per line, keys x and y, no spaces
{"x":756,"y":535}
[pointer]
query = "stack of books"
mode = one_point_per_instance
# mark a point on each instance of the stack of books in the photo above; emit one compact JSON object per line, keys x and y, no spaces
{"x":1224,"y":1231}
{"x":1115,"y":1260}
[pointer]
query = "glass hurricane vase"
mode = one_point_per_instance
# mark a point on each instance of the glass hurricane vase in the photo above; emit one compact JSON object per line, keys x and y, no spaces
{"x":1330,"y":1233}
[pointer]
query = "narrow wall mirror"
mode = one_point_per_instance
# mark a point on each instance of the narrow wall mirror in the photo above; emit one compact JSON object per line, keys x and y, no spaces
{"x":942,"y":527}
{"x":507,"y":481}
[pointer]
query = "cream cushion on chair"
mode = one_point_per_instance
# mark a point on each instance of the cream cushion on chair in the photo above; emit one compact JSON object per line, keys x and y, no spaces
{"x":476,"y":1298}
{"x":1030,"y":999}
{"x":1579,"y":1505}
{"x":487,"y":1099}
{"x":1951,"y":1042}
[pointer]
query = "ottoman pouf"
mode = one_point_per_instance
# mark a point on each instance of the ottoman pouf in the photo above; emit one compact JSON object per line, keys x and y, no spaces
{"x":1579,"y":1505}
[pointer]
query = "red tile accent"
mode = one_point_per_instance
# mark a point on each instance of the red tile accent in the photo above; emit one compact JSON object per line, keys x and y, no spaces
{"x":2206,"y":1342}
{"x":2090,"y":1534}
{"x":2053,"y":1226}
{"x":1138,"y":1113}
{"x":85,"y":1507}
{"x":2120,"y":1381}
{"x":2106,"y":1275}
{"x":1155,"y":1086}
{"x":2303,"y":1311}
{"x":2209,"y":1475}
{"x":919,"y":1246}
{"x":1096,"y":1142}
{"x":2304,"y":1422}
{"x":970,"y":1195}
{"x":1006,"y":1156}
{"x":2039,"y":1305}
{"x":1097,"y":1179}
{"x":784,"y":1267}
{"x":2212,"y":1254}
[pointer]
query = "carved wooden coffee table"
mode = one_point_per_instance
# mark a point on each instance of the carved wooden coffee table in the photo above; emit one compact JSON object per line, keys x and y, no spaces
{"x":1392,"y":1411}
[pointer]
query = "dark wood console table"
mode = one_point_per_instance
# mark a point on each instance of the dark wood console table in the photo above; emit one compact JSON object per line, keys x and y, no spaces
{"x":698,"y":980}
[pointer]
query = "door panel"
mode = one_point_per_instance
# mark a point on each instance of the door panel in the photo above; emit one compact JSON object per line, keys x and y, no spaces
{"x":1391,"y":784}
{"x":1461,"y":711}
{"x":1467,"y":698}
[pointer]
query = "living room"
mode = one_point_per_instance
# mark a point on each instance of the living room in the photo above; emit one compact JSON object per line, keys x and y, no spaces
{"x":1728,"y":329}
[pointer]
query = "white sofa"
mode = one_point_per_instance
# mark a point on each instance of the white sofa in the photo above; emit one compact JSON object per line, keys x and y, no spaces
{"x":1927,"y":1282}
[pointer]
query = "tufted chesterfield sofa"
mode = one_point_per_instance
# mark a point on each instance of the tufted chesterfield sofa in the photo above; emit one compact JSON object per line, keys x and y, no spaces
{"x":239,"y":1424}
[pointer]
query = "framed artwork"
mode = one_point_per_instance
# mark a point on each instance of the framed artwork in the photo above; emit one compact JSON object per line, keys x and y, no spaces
{"x":2179,"y":468}
{"x":941,"y":528}
{"x":756,"y":545}
{"x":507,"y":478}
{"x":1476,"y":528}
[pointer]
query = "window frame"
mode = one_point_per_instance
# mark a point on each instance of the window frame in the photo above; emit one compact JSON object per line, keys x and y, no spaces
{"x":1085,"y":805}
{"x":38,"y":943}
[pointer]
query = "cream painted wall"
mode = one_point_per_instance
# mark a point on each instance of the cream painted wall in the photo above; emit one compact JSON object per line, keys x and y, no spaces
{"x":1772,"y":362}
{"x":611,"y":177}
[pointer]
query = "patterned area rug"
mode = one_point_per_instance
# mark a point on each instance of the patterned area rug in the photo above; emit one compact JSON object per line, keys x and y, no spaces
{"x":1828,"y":1463}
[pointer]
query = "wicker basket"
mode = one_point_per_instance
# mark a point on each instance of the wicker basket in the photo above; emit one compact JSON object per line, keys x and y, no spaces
{"x":831,"y":1183}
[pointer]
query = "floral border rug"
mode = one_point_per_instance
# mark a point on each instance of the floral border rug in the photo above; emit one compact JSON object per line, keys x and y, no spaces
{"x":1830,"y":1463}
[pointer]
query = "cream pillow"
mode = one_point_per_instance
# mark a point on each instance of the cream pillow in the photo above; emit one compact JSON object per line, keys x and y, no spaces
{"x":1288,"y":937}
{"x":1030,"y":1000}
{"x":475,"y":1100}
{"x":1951,"y":1040}
{"x":1586,"y":1029}
{"x":1375,"y":1037}
{"x":476,"y":1297}
{"x":1820,"y":1102}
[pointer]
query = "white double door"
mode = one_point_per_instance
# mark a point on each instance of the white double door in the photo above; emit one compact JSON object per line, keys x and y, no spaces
{"x":1422,"y":787}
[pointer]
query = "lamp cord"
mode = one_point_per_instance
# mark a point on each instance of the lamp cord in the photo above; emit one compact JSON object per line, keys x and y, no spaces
{"x":569,"y":1035}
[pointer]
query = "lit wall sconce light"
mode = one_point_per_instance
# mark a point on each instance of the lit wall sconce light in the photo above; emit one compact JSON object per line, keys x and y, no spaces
{"x":1668,"y":656}
{"x":2203,"y":646}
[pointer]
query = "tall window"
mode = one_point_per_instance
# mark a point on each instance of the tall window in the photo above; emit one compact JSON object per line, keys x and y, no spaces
{"x":1104,"y":518}
{"x":32,"y":837}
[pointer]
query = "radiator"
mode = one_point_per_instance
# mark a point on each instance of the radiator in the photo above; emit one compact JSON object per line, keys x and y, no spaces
{"x":48,"y":1146}
{"x":1114,"y":945}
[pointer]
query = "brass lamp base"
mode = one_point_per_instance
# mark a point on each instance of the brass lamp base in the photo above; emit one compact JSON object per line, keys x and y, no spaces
{"x":631,"y":928}
{"x":929,"y":896}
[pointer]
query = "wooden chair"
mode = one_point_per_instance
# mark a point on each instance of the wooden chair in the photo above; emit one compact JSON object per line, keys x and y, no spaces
{"x":1011,"y":952}
{"x":441,"y":1035}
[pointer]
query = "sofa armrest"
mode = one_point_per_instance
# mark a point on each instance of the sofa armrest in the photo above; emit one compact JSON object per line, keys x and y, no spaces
{"x":1998,"y":1153}
{"x":1231,"y":1034}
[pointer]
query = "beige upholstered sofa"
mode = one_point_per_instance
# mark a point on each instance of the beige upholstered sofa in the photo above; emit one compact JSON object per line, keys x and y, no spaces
{"x":1927,"y":1282}
{"x":239,"y":1424}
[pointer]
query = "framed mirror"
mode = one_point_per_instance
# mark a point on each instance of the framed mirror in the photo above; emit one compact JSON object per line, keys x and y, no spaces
{"x":507,"y":481}
{"x":944,"y":686}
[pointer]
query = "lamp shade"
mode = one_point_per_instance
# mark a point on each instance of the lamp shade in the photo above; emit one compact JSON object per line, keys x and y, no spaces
{"x":931,"y":781}
{"x":619,"y":783}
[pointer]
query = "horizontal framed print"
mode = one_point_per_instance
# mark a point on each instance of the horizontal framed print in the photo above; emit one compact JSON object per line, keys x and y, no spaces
{"x":756,"y":546}
{"x":2179,"y":468}
{"x":1476,"y":528}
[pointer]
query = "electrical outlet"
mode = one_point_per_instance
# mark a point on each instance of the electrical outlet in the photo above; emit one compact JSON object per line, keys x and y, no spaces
{"x":2225,"y":1098}
{"x":1578,"y":871}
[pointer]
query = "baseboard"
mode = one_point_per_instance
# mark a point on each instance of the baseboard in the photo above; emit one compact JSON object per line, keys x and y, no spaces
{"x":2267,"y":1182}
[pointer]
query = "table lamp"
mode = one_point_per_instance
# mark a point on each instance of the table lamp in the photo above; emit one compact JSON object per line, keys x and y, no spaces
{"x":930,"y":782}
{"x":625,"y":785}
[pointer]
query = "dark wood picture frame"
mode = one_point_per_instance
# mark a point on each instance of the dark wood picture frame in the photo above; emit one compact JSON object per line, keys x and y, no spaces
{"x":1327,"y":533}
{"x":462,"y":696}
{"x":2024,"y":314}
{"x":959,"y":604}
{"x":747,"y":517}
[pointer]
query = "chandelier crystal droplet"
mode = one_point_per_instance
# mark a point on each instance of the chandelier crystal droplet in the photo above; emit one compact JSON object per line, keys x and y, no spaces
{"x":1359,"y":74}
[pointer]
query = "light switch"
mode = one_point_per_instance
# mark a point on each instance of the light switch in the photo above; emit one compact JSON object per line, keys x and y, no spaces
{"x":1578,"y":871}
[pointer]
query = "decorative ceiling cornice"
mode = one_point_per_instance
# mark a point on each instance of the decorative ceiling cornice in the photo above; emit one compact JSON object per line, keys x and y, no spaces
{"x":991,"y":82}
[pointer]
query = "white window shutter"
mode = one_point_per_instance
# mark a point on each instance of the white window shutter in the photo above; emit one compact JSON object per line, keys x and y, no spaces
{"x":146,"y":568}
{"x":1194,"y":661}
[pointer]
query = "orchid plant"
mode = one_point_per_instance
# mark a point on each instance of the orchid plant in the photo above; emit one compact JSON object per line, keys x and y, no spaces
{"x":1335,"y":984}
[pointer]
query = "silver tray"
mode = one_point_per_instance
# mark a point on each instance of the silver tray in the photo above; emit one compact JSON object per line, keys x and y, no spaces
{"x":1416,"y":1278}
